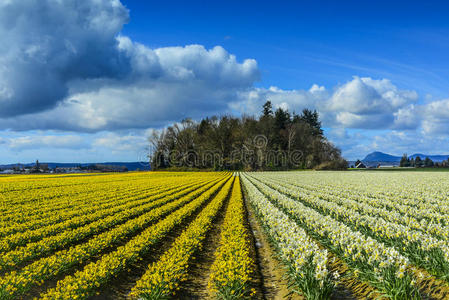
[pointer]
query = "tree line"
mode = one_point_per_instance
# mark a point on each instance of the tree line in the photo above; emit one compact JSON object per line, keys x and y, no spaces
{"x":275,"y":140}
{"x":422,"y":163}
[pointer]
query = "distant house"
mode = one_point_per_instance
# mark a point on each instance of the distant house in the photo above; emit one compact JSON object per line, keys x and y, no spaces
{"x":360,"y":165}
{"x":385,"y":166}
{"x":68,"y":170}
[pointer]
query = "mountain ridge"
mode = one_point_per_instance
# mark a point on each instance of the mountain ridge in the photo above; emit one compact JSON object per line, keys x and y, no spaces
{"x":378,"y":156}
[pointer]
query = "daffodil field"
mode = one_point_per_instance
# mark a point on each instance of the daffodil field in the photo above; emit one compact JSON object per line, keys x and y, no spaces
{"x":385,"y":233}
{"x":188,"y":235}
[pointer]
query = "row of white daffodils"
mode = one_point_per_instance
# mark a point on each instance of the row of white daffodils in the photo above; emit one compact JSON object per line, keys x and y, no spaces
{"x":375,"y":261}
{"x":294,"y":244}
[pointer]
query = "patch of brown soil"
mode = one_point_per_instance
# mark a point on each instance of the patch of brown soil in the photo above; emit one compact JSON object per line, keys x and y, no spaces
{"x":349,"y":287}
{"x":119,"y":287}
{"x":273,"y":285}
{"x":430,"y":286}
{"x":195,"y":287}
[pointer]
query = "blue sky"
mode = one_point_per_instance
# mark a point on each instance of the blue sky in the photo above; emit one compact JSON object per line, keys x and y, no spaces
{"x":300,"y":43}
{"x":89,"y":81}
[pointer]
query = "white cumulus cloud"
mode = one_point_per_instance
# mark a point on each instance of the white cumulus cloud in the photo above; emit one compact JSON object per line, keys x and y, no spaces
{"x":69,"y":68}
{"x":46,"y":141}
{"x":66,"y":66}
{"x":364,"y":103}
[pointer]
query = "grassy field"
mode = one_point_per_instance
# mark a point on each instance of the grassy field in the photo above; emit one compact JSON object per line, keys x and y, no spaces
{"x":211,"y":235}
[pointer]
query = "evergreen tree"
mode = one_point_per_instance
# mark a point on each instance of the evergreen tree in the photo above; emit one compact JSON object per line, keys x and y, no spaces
{"x":267,"y":109}
{"x":428,"y":162}
{"x":312,"y":118}
{"x":405,"y":162}
{"x":281,"y":123}
{"x":281,"y":119}
{"x":418,"y":162}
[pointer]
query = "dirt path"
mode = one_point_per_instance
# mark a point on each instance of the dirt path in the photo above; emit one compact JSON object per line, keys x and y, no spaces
{"x":119,"y":287}
{"x":272,"y":285}
{"x":195,"y":287}
{"x":349,"y":288}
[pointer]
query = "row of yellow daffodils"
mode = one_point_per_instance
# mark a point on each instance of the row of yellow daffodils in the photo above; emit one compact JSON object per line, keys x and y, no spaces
{"x":162,"y":278}
{"x":49,"y":244}
{"x":96,"y":196}
{"x":19,"y":282}
{"x":88,"y":281}
{"x":92,"y":202}
{"x":233,"y":268}
{"x":61,"y":206}
{"x":46,"y":192}
{"x":81,"y":223}
{"x":55,"y":200}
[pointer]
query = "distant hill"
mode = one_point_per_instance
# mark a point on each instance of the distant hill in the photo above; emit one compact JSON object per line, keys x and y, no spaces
{"x":378,"y":156}
{"x":131,"y":166}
